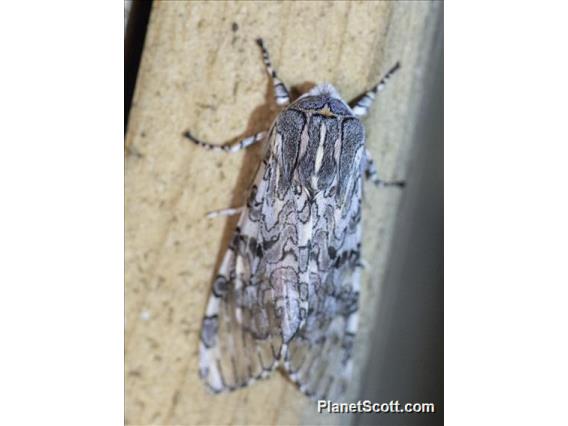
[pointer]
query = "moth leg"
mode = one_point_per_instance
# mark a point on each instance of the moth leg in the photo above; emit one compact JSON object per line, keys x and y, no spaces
{"x":242,"y":144}
{"x":363,"y":264}
{"x":371,"y":173}
{"x":363,"y":102}
{"x":280,"y":91}
{"x":231,"y":211}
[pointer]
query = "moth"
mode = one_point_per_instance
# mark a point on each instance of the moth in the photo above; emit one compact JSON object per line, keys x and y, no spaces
{"x":286,"y":294}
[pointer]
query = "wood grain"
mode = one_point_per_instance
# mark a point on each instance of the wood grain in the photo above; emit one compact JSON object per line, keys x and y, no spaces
{"x":201,"y":70}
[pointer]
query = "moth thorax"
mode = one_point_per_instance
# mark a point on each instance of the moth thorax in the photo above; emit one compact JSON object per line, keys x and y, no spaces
{"x":317,"y":149}
{"x":317,"y":165}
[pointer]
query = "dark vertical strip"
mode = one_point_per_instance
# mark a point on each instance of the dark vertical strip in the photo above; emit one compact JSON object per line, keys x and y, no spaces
{"x":133,"y":46}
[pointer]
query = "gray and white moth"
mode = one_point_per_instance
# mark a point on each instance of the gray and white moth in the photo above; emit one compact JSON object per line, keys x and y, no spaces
{"x":286,"y":294}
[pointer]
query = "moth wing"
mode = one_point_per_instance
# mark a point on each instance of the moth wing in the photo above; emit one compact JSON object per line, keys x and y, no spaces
{"x":231,"y":353}
{"x":246,"y":323}
{"x":319,"y":358}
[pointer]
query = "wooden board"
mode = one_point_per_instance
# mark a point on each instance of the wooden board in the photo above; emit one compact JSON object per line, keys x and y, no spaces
{"x":201,"y":70}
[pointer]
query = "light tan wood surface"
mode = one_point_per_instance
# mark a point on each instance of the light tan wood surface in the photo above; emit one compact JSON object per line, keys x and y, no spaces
{"x":201,"y":70}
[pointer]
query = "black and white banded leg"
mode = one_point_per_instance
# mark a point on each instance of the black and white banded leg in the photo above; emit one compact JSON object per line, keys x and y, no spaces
{"x":371,"y":173}
{"x":242,"y":144}
{"x":361,"y":107}
{"x":280,"y":91}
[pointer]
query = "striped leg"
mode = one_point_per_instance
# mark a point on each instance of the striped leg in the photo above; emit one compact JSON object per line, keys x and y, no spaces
{"x":371,"y":173}
{"x":280,"y":91}
{"x":242,"y":144}
{"x":363,"y":104}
